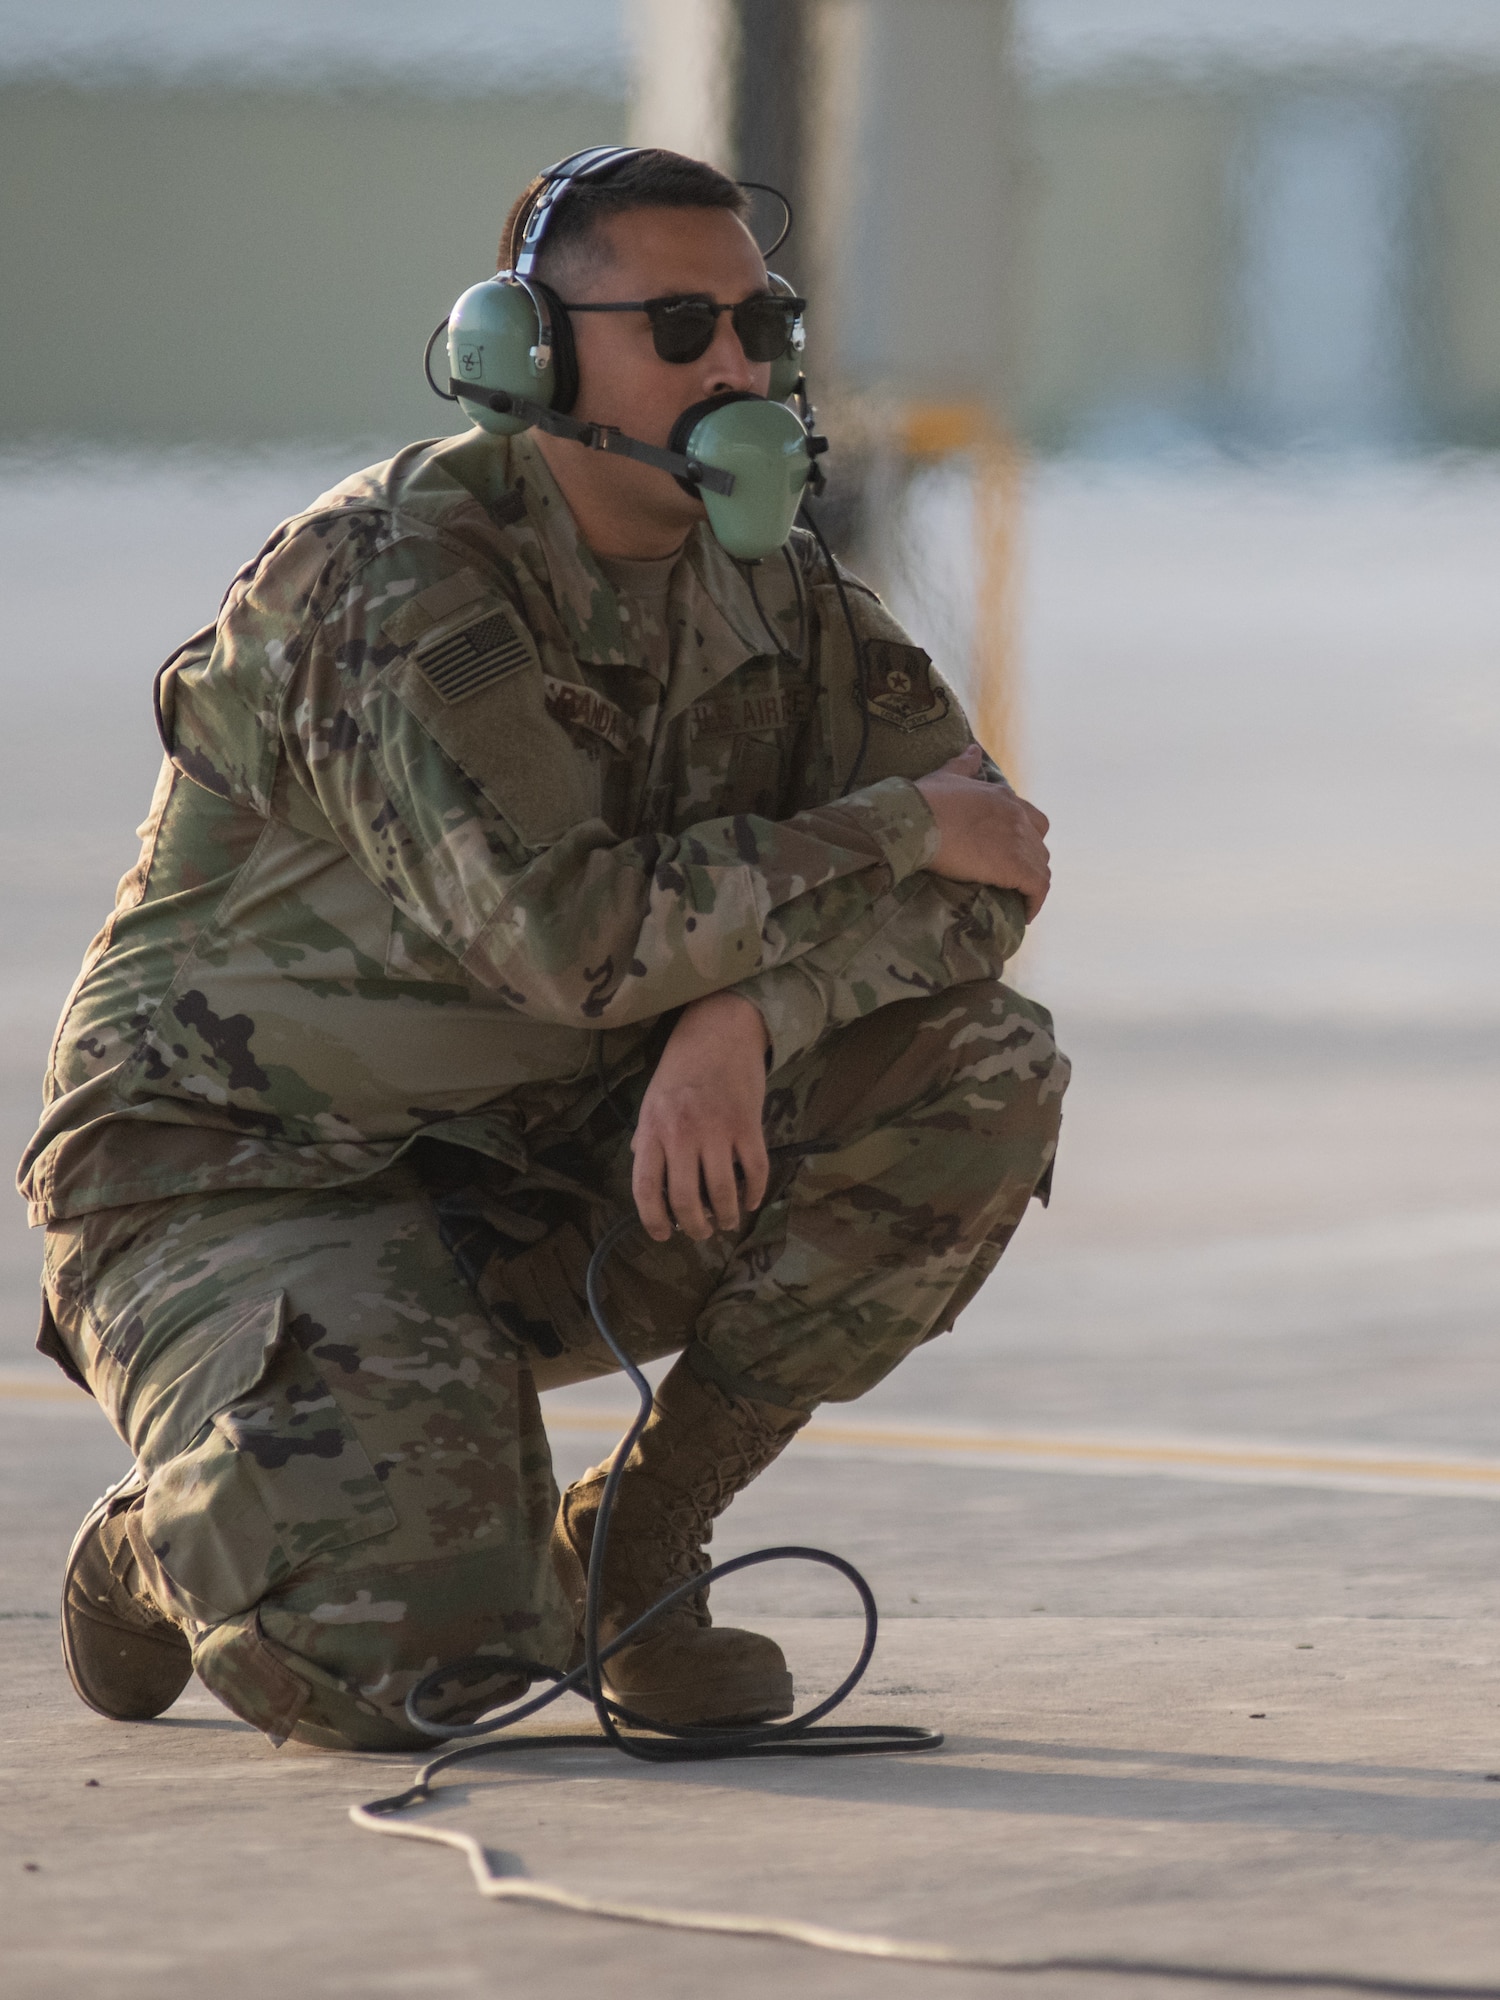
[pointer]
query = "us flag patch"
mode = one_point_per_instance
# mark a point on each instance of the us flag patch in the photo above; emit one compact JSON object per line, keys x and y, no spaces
{"x":477,"y":655}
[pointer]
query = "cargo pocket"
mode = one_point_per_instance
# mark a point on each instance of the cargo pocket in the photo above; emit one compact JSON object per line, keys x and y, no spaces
{"x":524,"y":1259}
{"x":254,"y":1470}
{"x":541,"y":1297}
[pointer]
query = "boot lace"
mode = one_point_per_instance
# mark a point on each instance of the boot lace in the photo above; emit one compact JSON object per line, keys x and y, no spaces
{"x":688,"y":1526}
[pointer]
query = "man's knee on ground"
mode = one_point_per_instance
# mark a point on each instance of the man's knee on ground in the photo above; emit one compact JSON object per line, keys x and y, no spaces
{"x":304,"y":1617}
{"x":331,"y":1660}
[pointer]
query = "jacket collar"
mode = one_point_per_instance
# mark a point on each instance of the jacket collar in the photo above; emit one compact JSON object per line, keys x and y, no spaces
{"x":711,"y":610}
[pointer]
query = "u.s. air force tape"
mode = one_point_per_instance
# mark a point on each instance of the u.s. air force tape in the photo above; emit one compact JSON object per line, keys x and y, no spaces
{"x":459,"y":663}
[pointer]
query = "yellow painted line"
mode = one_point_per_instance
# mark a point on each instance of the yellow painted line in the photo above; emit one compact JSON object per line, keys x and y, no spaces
{"x":1223,"y":1458}
{"x":61,"y":1391}
{"x":901,"y":1439}
{"x":1249,"y":1459}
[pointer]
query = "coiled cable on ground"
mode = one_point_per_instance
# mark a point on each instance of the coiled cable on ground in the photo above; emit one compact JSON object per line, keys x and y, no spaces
{"x":657,"y":1743}
{"x":650,"y":1741}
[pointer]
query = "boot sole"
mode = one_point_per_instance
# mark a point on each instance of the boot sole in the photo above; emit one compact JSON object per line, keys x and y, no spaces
{"x":123,"y":1489}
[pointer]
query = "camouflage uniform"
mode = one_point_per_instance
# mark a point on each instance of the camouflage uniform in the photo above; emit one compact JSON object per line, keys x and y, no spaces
{"x":345,"y":1087}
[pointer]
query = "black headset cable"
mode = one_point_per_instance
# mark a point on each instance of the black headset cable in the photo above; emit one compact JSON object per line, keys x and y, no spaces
{"x":861,"y":665}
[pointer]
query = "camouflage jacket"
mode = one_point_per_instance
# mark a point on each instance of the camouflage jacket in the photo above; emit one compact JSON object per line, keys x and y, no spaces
{"x":433,"y":849}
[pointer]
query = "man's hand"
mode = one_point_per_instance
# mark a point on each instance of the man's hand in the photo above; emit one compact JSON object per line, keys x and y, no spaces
{"x":702,"y":1113}
{"x":986,"y":833}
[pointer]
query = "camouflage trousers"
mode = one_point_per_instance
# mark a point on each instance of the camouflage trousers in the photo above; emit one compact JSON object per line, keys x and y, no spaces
{"x":333,"y":1396}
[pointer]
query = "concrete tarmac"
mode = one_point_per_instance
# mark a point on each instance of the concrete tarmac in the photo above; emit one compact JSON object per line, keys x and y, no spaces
{"x":1185,"y":1537}
{"x":1216,"y":1663}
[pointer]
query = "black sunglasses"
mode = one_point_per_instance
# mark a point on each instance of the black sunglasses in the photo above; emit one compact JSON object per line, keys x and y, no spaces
{"x":682,"y":327}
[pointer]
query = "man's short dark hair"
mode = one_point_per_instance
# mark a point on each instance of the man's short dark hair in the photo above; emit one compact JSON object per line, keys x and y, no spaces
{"x":653,"y":179}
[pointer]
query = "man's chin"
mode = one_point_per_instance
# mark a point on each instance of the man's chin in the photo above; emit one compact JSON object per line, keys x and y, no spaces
{"x":682,"y":508}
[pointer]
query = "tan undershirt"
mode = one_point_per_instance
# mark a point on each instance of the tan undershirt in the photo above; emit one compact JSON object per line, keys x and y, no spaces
{"x":642,"y":589}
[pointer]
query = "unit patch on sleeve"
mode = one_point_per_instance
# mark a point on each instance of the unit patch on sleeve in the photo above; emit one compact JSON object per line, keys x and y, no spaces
{"x":899,"y":687}
{"x":459,"y":663}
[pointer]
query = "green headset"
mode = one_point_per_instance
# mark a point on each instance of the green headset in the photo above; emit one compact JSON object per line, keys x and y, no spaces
{"x":512,"y":366}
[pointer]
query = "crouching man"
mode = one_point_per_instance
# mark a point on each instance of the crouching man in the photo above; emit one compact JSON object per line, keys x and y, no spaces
{"x":504,"y":870}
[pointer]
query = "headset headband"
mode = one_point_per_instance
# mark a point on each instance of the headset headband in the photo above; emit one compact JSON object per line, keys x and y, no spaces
{"x":596,"y":163}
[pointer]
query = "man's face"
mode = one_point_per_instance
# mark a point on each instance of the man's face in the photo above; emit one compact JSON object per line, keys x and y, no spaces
{"x":652,"y":253}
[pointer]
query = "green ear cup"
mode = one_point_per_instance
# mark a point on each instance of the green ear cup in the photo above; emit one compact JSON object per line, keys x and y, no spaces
{"x":765,"y":446}
{"x":493,"y":333}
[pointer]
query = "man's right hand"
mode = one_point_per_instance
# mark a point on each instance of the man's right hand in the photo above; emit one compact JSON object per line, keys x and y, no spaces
{"x":986,"y":833}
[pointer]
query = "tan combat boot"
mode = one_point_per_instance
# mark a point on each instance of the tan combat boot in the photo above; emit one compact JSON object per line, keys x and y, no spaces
{"x":123,"y":1655}
{"x":700,"y":1448}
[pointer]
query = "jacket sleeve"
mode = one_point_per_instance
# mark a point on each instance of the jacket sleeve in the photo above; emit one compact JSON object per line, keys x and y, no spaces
{"x":462,"y":806}
{"x":602,"y":932}
{"x":926,"y":934}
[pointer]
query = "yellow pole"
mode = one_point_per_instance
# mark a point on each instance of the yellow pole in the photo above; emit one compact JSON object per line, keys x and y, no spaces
{"x":942,"y":430}
{"x":995,"y":666}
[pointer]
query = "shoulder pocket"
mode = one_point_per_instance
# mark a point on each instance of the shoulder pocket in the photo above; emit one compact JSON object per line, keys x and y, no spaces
{"x":475,"y":684}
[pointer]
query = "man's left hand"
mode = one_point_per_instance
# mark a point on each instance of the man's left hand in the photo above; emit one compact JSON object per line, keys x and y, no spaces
{"x":700,"y":1116}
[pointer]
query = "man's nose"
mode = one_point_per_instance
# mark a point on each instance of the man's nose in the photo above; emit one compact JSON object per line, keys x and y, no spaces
{"x":726,"y":365}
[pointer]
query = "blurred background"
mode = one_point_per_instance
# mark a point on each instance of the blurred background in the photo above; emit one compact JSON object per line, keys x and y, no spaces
{"x":1159,"y":343}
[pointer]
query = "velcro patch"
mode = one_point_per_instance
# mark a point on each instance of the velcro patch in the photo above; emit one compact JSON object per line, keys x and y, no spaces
{"x":572,"y":703}
{"x":460,"y":663}
{"x":732,"y":715}
{"x":900,"y":689}
{"x":419,"y":614}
